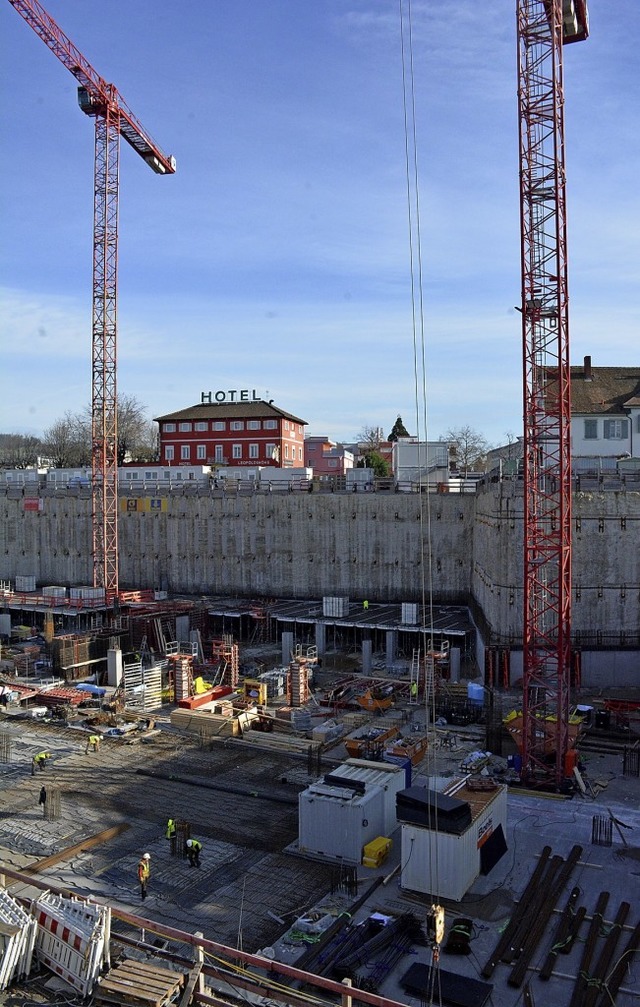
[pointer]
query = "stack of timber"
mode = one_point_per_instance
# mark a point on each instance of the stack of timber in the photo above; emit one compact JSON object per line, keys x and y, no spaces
{"x":138,"y":984}
{"x":212,"y":725}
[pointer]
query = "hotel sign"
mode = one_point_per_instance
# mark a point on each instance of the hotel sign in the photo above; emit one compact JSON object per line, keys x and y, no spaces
{"x":233,"y":395}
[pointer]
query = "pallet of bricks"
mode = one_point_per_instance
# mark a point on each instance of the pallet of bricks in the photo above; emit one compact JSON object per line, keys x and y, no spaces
{"x":139,"y":984}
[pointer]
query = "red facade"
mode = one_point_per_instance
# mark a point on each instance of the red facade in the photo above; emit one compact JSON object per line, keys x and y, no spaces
{"x":253,"y":433}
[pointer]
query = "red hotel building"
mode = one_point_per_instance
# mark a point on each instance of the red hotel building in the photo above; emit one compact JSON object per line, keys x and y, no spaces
{"x":231,"y":432}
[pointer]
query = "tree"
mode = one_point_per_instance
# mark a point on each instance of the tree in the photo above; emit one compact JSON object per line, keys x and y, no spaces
{"x":398,"y":430}
{"x":18,"y":451}
{"x":66,"y":444}
{"x":470,"y":448}
{"x":137,"y":435}
{"x":370,"y":438}
{"x":374,"y":460}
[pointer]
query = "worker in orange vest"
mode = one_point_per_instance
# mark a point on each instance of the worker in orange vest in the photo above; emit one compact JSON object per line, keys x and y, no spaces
{"x":144,"y":873}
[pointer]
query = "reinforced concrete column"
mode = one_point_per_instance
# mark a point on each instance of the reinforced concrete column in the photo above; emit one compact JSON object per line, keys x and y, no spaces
{"x":367,"y":652}
{"x":454,"y":665}
{"x":287,"y":648}
{"x":321,"y":638}
{"x":392,"y":647}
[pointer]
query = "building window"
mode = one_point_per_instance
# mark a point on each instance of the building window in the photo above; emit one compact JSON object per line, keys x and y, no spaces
{"x":299,"y":454}
{"x":169,"y":428}
{"x":311,"y":447}
{"x":254,"y":451}
{"x":270,"y":451}
{"x":616,"y":430}
{"x":185,"y":428}
{"x":253,"y":425}
{"x":201,"y":453}
{"x":237,"y":450}
{"x":168,"y":453}
{"x":590,"y":430}
{"x":219,"y":425}
{"x":286,"y":451}
{"x":286,"y":424}
{"x":201,"y":425}
{"x":237,"y":424}
{"x":271,"y":424}
{"x":219,"y":456}
{"x":185,"y":453}
{"x":332,"y":463}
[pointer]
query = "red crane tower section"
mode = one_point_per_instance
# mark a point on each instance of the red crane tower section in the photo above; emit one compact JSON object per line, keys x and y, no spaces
{"x":113,"y":118}
{"x":544,"y":26}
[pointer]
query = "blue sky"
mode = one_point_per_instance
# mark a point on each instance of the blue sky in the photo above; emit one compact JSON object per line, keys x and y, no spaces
{"x":277,"y":258}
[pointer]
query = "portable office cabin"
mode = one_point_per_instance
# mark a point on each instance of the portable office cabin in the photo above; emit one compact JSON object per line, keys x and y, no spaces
{"x":443,"y":863}
{"x":391,"y":778}
{"x":338,"y":820}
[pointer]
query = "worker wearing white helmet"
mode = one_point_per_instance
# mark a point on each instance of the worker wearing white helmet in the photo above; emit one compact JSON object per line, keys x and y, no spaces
{"x":144,"y":873}
{"x":193,"y":852}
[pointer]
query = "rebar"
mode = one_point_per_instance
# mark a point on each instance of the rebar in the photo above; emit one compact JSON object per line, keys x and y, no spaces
{"x":51,"y":807}
{"x":601,"y":831}
{"x":5,"y":746}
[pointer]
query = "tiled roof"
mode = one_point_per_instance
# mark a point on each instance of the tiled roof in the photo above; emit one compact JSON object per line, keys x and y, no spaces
{"x":229,"y":411}
{"x":609,"y":390}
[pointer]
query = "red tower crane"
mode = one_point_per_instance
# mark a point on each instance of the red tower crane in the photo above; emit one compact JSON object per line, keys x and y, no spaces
{"x":544,"y":26}
{"x":113,"y":118}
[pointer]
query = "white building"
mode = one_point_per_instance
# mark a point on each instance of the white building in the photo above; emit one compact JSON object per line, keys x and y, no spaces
{"x":416,"y":461}
{"x":605,"y":411}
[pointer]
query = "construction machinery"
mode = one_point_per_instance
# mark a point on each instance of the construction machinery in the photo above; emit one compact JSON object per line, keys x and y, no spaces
{"x":113,"y":118}
{"x":544,"y":27}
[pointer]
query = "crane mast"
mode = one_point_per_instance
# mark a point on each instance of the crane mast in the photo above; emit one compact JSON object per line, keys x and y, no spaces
{"x":113,"y":119}
{"x":544,"y":26}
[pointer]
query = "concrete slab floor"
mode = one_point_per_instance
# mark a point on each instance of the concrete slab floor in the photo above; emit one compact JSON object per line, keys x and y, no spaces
{"x":247,"y":878}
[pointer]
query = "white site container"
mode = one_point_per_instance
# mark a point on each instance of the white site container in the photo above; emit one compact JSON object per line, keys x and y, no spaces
{"x":337,"y":822}
{"x":444,"y":864}
{"x":391,"y":779}
{"x":54,"y":591}
{"x":409,"y":613}
{"x":87,"y":593}
{"x":25,"y":584}
{"x":335,"y":607}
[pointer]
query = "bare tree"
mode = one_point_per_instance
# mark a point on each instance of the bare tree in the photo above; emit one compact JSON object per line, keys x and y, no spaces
{"x":370,"y":438}
{"x":65,"y":442}
{"x":137,"y":435}
{"x":470,"y":448}
{"x":18,"y":451}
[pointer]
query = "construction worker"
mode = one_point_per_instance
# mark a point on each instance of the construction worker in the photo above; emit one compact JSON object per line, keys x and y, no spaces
{"x":43,"y":796}
{"x":40,"y":762}
{"x":193,"y":852}
{"x":93,"y":743}
{"x":414,"y":690}
{"x":365,"y":605}
{"x":144,"y":873}
{"x":170,"y":834}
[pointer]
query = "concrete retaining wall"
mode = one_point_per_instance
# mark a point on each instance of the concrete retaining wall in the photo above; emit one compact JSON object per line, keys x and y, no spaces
{"x":362,"y":545}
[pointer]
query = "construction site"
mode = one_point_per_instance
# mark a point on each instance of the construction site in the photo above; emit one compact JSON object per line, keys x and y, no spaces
{"x":305,"y":749}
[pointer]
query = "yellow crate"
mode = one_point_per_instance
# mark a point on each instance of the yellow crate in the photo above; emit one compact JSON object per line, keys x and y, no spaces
{"x":376,"y":852}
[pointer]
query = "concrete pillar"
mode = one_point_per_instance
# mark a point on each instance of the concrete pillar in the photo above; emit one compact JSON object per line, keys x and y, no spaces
{"x":392,"y":647}
{"x":287,"y":648}
{"x":321,"y":638}
{"x":114,"y":667}
{"x":454,"y":664}
{"x":367,"y":651}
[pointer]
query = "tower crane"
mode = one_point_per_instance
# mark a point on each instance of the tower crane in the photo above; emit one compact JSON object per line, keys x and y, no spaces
{"x":113,"y":118}
{"x":544,"y":27}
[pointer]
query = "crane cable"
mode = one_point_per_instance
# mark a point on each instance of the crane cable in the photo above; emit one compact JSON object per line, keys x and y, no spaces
{"x":422,"y":430}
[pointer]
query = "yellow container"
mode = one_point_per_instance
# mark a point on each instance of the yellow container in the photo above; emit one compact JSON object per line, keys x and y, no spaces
{"x":376,"y":852}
